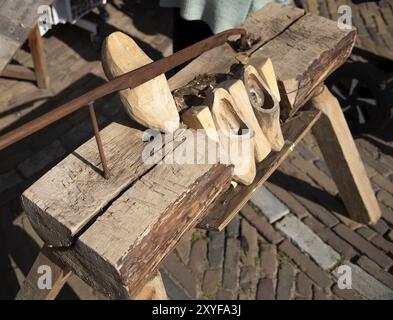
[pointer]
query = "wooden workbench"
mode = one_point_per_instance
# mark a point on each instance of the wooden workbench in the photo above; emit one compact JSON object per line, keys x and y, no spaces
{"x":114,"y":233}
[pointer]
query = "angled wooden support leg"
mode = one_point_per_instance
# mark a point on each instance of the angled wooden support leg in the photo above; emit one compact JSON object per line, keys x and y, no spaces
{"x":153,"y":290}
{"x":35,"y":286}
{"x":37,"y":51}
{"x":343,"y":159}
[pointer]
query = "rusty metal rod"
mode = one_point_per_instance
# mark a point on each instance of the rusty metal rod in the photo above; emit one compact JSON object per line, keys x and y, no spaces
{"x":94,"y":124}
{"x":130,"y":80}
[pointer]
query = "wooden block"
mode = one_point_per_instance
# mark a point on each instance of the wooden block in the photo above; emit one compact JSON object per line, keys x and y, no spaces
{"x":124,"y":246}
{"x":73,"y":192}
{"x":229,"y":204}
{"x":303,"y":56}
{"x":343,"y":159}
{"x":150,"y":104}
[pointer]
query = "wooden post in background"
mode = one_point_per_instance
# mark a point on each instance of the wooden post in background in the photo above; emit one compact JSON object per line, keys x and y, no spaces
{"x":38,"y":55}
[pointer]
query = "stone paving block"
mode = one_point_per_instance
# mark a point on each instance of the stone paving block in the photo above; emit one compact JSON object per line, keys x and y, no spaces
{"x":373,"y":269}
{"x":366,"y":232}
{"x":231,"y":264}
{"x":265,"y":289}
{"x":381,"y":226}
{"x":321,"y":165}
{"x":367,"y":285}
{"x":374,"y":163}
{"x":295,"y":206}
{"x":216,"y":248}
{"x":261,"y":224}
{"x":363,"y":246}
{"x":248,"y":278}
{"x":385,"y":197}
{"x":42,"y":159}
{"x":383,"y":183}
{"x":386,"y":159}
{"x":211,"y":281}
{"x":382,"y":243}
{"x":183,"y":248}
{"x":387,"y":213}
{"x":232,"y":229}
{"x":223,"y":294}
{"x":303,"y":286}
{"x":198,"y":255}
{"x":9,"y":180}
{"x":320,"y":294}
{"x":268,"y":260}
{"x":368,"y":147}
{"x":313,"y":271}
{"x":330,"y":237}
{"x":181,"y":274}
{"x":317,"y":175}
{"x":249,"y":243}
{"x":285,"y":282}
{"x":308,"y":241}
{"x":346,"y":294}
{"x":318,"y":211}
{"x":173,"y":291}
{"x":269,"y":205}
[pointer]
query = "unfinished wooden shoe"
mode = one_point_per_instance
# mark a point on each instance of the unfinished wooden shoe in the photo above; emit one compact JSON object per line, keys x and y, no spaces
{"x":151,"y":104}
{"x":268,"y":75}
{"x":246,"y":113}
{"x":237,"y":142}
{"x":265,"y":105}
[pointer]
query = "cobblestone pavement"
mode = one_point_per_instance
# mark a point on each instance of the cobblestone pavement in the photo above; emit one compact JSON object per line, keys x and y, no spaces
{"x":287,"y":243}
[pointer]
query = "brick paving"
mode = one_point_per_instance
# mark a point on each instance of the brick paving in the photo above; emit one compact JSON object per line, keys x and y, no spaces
{"x":251,"y":258}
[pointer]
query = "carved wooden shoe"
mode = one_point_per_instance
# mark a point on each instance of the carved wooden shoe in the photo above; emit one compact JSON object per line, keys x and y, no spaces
{"x":237,"y":146}
{"x":245,"y":112}
{"x":266,"y":107}
{"x":151,"y":104}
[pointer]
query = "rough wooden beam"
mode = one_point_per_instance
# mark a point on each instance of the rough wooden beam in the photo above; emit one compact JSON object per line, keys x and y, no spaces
{"x":72,"y":193}
{"x":303,"y":56}
{"x":119,"y":251}
{"x":265,"y":23}
{"x":342,"y":157}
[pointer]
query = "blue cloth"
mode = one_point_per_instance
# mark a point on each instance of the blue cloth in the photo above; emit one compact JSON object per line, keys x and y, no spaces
{"x":220,"y":15}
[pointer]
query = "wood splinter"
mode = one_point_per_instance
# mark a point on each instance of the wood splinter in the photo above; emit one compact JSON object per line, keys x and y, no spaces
{"x":151,"y":104}
{"x":265,"y":105}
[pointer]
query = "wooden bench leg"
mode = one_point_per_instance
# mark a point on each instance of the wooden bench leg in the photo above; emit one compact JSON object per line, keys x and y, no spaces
{"x":153,"y":290}
{"x":38,"y":55}
{"x":342,"y":157}
{"x":30,"y":289}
